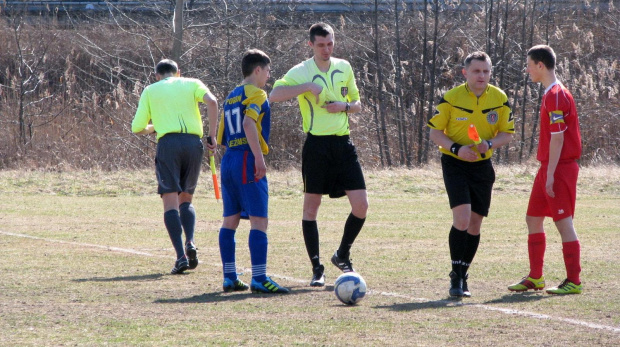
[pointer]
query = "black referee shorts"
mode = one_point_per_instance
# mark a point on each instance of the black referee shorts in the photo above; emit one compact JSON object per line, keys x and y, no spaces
{"x":468,"y":183}
{"x":178,"y":163}
{"x":330,"y":166}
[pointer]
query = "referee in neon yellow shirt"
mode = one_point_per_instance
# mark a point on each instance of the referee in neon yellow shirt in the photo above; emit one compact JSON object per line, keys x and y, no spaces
{"x":327,"y":93}
{"x":171,"y":105}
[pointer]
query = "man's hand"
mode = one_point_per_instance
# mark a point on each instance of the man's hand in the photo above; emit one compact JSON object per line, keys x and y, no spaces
{"x":482,"y":147}
{"x":467,"y":153}
{"x":260,"y":169}
{"x":549,"y":186}
{"x":211,"y":144}
{"x":315,"y":89}
{"x":335,"y":107}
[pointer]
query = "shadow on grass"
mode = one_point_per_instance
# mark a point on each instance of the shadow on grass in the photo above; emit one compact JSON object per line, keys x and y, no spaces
{"x":454,"y":302}
{"x":151,"y":277}
{"x":519,"y":297}
{"x":413,"y":306}
{"x":235,"y":296}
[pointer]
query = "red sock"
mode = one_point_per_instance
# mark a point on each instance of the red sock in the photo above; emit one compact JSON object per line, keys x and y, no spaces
{"x":536,"y":244}
{"x":572,"y":255}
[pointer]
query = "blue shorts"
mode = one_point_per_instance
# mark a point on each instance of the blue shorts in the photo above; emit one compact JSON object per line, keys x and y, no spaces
{"x":239,"y":191}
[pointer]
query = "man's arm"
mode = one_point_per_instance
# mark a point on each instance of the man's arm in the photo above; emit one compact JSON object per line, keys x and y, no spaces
{"x":211,"y":102}
{"x":251,"y":133}
{"x":283,"y":93}
{"x":555,"y":149}
{"x":148,"y":130}
{"x":341,"y":106}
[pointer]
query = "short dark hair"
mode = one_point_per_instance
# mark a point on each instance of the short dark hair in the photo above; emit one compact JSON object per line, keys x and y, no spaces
{"x":478,"y":55}
{"x":252,"y":59}
{"x":320,"y":29}
{"x":544,"y":54}
{"x":166,"y":66}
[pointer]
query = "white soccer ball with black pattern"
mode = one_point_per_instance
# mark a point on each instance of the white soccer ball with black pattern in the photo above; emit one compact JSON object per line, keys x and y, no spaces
{"x":350,"y":288}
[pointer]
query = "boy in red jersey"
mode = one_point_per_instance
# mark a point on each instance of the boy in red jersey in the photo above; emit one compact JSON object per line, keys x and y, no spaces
{"x":554,"y":190}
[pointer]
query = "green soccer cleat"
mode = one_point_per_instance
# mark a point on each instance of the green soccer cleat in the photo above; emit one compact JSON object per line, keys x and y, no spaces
{"x":528,"y":283}
{"x":566,"y":287}
{"x":268,"y":286}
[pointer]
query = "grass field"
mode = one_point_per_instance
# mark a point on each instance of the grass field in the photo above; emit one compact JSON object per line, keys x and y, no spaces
{"x":85,"y":260}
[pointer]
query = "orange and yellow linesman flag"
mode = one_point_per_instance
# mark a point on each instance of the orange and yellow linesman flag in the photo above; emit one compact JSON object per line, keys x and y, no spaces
{"x":472,"y":132}
{"x":216,"y":188}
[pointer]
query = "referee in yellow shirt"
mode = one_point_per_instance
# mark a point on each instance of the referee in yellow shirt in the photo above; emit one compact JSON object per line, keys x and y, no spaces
{"x":467,"y":169}
{"x":327,"y":93}
{"x":171,"y":105}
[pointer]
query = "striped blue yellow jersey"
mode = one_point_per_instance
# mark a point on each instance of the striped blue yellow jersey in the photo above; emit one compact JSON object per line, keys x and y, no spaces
{"x":245,"y":101}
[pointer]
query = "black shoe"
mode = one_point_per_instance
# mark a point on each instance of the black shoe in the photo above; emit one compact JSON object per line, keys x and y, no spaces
{"x":344,"y":264}
{"x":179,"y":266}
{"x":466,"y":292}
{"x":192,"y":255}
{"x":456,"y":285}
{"x":318,"y":276}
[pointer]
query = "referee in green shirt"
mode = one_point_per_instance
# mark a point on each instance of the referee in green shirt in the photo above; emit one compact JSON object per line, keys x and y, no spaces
{"x":171,"y":105}
{"x":327,"y":93}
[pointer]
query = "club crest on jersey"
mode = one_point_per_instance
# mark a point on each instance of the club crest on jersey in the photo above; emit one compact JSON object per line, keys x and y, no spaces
{"x":344,"y":91}
{"x":492,"y":117}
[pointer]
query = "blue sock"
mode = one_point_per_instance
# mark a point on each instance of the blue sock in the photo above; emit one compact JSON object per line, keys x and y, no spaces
{"x":258,"y":253}
{"x":227,"y":252}
{"x":175,"y":230}
{"x":188,"y":220}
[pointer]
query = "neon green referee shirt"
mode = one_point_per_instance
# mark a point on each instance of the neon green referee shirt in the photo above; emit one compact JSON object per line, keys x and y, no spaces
{"x":172,"y":106}
{"x":338,"y":85}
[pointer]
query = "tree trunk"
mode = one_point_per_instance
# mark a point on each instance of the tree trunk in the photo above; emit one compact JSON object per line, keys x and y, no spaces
{"x":177,"y":31}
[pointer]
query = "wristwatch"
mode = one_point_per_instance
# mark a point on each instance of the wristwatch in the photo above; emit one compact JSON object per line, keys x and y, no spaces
{"x":347,"y":107}
{"x":490,"y":144}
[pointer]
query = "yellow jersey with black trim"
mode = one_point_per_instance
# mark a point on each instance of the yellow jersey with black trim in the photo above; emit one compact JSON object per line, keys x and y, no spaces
{"x":459,"y":107}
{"x":338,"y":85}
{"x":172,"y":106}
{"x":244,"y":101}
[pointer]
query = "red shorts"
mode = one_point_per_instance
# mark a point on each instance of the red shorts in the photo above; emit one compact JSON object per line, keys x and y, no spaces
{"x":564,"y":187}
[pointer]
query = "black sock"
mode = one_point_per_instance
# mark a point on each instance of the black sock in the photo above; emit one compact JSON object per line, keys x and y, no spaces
{"x":175,"y":230}
{"x":456,"y":240}
{"x":311,"y":238}
{"x":471,"y":246}
{"x":352,"y":228}
{"x":188,"y":220}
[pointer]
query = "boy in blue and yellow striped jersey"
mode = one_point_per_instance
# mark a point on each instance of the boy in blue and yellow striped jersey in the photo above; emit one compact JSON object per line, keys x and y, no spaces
{"x":244,"y":130}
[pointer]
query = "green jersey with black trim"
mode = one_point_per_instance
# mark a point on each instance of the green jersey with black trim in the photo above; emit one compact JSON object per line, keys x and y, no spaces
{"x":460,"y":107}
{"x":172,"y":106}
{"x":338,"y":85}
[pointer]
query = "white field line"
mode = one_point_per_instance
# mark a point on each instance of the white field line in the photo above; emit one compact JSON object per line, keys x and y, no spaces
{"x":291,"y":279}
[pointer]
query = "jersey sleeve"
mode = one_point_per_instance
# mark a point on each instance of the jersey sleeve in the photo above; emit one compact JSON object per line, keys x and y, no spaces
{"x":558,"y":106}
{"x":353,"y":91}
{"x":293,"y":77}
{"x":507,"y":121}
{"x":220,"y":131}
{"x":143,"y":113}
{"x":200,"y":91}
{"x":442,"y":115}
{"x":255,"y":97}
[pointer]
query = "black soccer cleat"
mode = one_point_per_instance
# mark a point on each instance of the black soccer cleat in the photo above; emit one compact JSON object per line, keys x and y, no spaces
{"x":318,"y":276}
{"x":456,"y":285}
{"x":466,"y":292}
{"x":179,"y":266}
{"x":344,"y":264}
{"x":192,"y":255}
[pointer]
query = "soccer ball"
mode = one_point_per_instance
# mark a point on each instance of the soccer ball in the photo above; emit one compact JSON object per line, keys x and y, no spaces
{"x":350,"y":288}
